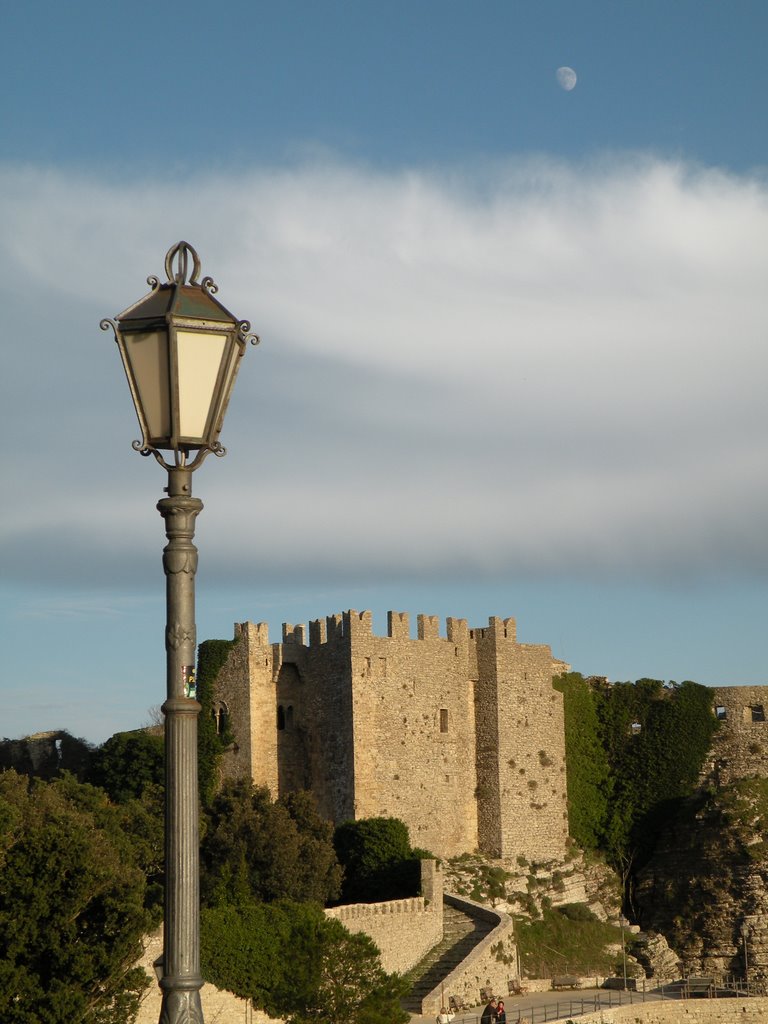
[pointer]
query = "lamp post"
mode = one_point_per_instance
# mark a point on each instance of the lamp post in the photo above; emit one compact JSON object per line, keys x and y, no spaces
{"x":745,"y":932}
{"x":181,"y":351}
{"x":624,"y":922}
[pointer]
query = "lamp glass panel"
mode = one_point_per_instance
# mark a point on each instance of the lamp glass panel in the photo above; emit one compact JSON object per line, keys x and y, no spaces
{"x":229,"y":380}
{"x":199,"y":360}
{"x":147,"y":355}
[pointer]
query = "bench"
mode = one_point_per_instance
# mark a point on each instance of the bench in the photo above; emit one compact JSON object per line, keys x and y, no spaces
{"x":699,"y":986}
{"x":515,"y":988}
{"x":628,"y":985}
{"x":565,"y":981}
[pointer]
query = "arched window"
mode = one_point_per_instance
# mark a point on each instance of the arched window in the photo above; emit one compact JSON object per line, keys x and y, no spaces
{"x":220,"y":713}
{"x":280,"y":717}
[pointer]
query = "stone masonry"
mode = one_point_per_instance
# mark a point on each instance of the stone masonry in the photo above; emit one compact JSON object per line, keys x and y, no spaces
{"x":461,"y":736}
{"x":740,"y":746}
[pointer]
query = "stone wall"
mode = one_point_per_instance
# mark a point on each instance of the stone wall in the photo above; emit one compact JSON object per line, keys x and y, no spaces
{"x":529,"y":816}
{"x":459,"y":736}
{"x":687,"y":1011}
{"x":740,"y":746}
{"x":404,"y":930}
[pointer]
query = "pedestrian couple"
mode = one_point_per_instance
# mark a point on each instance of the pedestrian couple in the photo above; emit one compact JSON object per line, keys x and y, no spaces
{"x":494,"y":1013}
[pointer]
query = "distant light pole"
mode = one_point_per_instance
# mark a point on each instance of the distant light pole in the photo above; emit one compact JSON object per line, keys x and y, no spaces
{"x":624,"y":922}
{"x":745,"y":930}
{"x":181,"y":350}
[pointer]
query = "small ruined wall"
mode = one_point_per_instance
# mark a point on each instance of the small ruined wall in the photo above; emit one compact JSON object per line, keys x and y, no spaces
{"x":490,"y":964}
{"x":686,"y":1011}
{"x":740,"y":745}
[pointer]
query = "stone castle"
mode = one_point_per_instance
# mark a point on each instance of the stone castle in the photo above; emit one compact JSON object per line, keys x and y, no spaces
{"x":461,"y":736}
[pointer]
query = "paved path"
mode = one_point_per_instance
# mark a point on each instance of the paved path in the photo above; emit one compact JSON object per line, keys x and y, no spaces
{"x":567,"y":1003}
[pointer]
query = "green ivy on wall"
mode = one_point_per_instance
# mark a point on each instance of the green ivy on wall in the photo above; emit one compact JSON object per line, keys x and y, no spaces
{"x":211,"y":657}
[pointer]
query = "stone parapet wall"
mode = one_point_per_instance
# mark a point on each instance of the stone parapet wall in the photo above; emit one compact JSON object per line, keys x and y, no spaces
{"x":491,"y":963}
{"x":685,"y":1011}
{"x":404,"y":930}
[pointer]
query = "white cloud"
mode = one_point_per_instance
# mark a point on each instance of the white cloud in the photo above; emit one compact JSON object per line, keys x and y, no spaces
{"x":529,"y":368}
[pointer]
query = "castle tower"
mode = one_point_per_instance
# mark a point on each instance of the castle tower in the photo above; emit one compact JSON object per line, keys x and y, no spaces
{"x":459,"y":736}
{"x":522,"y":795}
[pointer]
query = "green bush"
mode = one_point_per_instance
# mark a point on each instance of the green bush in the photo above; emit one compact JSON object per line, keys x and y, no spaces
{"x":378,"y":861}
{"x":128,"y":763}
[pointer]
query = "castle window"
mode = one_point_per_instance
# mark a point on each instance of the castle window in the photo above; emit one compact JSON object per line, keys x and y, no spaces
{"x":289,"y":716}
{"x":220,"y":713}
{"x":758,"y":713}
{"x":721,"y":713}
{"x":443,"y":719}
{"x":280,"y":717}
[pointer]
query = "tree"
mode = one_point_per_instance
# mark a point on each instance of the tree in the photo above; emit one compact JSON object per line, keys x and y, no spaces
{"x":295,"y":963}
{"x":72,"y":906}
{"x":127,"y":763}
{"x":354,"y":988}
{"x":257,"y":849}
{"x":378,"y":860}
{"x":656,"y":739}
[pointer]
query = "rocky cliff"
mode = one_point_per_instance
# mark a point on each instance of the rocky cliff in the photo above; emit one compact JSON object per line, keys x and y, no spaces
{"x":706,"y":886}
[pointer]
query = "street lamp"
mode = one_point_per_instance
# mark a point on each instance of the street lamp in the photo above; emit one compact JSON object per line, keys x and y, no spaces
{"x":181,"y":350}
{"x":624,"y":923}
{"x":745,"y":933}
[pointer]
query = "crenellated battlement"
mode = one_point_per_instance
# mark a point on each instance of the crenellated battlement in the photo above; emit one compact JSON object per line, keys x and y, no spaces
{"x":428,"y":627}
{"x":352,"y":625}
{"x":358,"y":624}
{"x":398,"y":626}
{"x":257,"y":633}
{"x":294,"y":634}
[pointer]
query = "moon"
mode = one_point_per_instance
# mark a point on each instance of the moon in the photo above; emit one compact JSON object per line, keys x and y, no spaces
{"x":566,"y":78}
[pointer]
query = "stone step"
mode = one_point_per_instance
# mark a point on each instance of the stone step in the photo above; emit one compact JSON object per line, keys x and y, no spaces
{"x":461,"y":933}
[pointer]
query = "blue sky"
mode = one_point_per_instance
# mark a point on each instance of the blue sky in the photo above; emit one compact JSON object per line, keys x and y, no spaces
{"x":514,"y":337}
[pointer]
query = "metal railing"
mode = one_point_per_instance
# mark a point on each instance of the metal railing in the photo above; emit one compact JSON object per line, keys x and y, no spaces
{"x":520,"y":1011}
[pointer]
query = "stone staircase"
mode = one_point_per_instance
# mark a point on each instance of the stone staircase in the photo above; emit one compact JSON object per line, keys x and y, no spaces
{"x":461,"y":933}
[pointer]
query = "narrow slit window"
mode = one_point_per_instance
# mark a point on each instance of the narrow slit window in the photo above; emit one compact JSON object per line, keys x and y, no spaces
{"x":443,"y":719}
{"x":280,"y":717}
